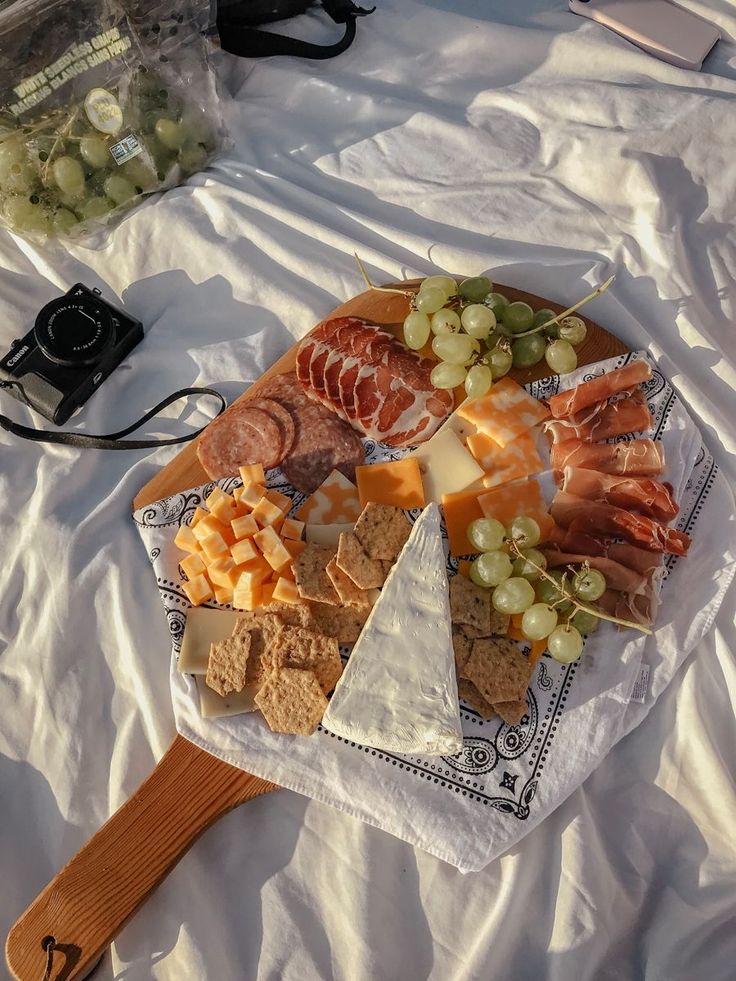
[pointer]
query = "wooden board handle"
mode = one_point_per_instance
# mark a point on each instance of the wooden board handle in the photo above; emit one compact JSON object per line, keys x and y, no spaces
{"x":87,"y":904}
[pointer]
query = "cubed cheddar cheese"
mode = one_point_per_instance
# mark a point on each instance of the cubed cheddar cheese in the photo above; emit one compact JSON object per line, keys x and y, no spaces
{"x":186,"y":540}
{"x":285,"y":591}
{"x":335,"y":500}
{"x":199,"y":513}
{"x":267,"y":539}
{"x":219,"y":572}
{"x":214,"y":545}
{"x":253,"y":574}
{"x":278,"y":557}
{"x":208,"y":526}
{"x":294,"y":548}
{"x":459,"y":510}
{"x":221,"y":505}
{"x":397,"y":483}
{"x":192,"y":565}
{"x":198,"y":590}
{"x":518,"y":458}
{"x":266,"y":513}
{"x":243,"y":551}
{"x":292,"y":529}
{"x":282,"y":502}
{"x":252,"y":474}
{"x":517,"y":499}
{"x":223,"y":596}
{"x":251,"y":495}
{"x":267,"y":592}
{"x":245,"y":598}
{"x":244,"y":527}
{"x":505,"y":412}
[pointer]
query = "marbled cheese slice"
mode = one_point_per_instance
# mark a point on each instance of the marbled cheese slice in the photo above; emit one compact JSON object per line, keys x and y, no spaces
{"x":335,"y":501}
{"x":505,"y":412}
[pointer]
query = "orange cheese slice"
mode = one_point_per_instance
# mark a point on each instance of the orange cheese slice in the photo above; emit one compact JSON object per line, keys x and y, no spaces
{"x":505,"y":412}
{"x":519,"y":458}
{"x":514,"y":500}
{"x":459,"y":510}
{"x":335,"y":500}
{"x":397,"y":483}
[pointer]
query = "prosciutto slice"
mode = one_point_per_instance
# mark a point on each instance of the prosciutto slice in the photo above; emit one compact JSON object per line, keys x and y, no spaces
{"x":642,"y":457}
{"x":597,"y":518}
{"x":642,"y":494}
{"x":598,"y":389}
{"x":617,"y":576}
{"x":607,"y":419}
{"x":641,"y":607}
{"x":639,"y":559}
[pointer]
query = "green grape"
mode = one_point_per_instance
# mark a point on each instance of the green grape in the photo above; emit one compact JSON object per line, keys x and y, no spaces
{"x":523,"y":564}
{"x":551,"y":592}
{"x":64,"y":220}
{"x":24,"y":216}
{"x":445,"y":375}
{"x":478,"y":320}
{"x":140,"y":173}
{"x":588,"y":585}
{"x":585,"y":623}
{"x":538,"y":621}
{"x":478,"y":381}
{"x":528,"y":351}
{"x":430,"y":301}
{"x":68,"y":175}
{"x":496,"y":302}
{"x":518,"y":316}
{"x":170,"y":133}
{"x":17,"y":176}
{"x":192,"y":158}
{"x":524,"y":531}
{"x":200,"y":132}
{"x":565,"y":644}
{"x":95,"y":207}
{"x":475,"y":289}
{"x":542,"y":316}
{"x":499,"y":360}
{"x":487,"y":535}
{"x":416,"y":330}
{"x":573,"y":330}
{"x":94,"y":152}
{"x":454,"y":348}
{"x":560,"y":356}
{"x":119,"y":189}
{"x":445,"y":322}
{"x":444,"y":283}
{"x":513,"y":595}
{"x":490,"y":569}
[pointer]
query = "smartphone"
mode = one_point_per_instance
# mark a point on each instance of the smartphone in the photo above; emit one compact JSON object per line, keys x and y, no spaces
{"x":660,"y":27}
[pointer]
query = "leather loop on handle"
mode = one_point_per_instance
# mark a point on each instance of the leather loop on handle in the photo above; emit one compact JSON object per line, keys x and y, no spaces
{"x":87,"y":904}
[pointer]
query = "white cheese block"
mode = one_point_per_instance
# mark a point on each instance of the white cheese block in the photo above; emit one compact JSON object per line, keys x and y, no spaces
{"x":203,"y":628}
{"x":327,"y":535}
{"x":446,"y":465}
{"x":399,"y":691}
{"x":214,"y":706}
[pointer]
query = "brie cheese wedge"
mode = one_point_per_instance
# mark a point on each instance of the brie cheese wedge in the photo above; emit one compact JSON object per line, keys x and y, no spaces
{"x":399,"y":691}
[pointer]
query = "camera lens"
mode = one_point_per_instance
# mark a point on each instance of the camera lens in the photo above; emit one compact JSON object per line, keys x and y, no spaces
{"x":74,"y":331}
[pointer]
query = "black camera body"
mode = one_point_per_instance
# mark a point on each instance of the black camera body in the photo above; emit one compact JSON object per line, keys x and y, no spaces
{"x":76,"y":342}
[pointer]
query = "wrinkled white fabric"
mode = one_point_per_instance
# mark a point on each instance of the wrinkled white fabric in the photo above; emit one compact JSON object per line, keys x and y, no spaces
{"x":455,"y":135}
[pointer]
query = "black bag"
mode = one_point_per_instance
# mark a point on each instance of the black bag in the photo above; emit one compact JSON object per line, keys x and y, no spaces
{"x":238,"y":20}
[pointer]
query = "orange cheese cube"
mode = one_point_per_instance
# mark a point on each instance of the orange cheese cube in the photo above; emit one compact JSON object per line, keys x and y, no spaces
{"x":252,"y":474}
{"x":208,"y":526}
{"x":219,"y":572}
{"x":192,"y":566}
{"x":244,"y":527}
{"x":294,"y":549}
{"x":398,"y":483}
{"x":267,"y":539}
{"x":223,"y":595}
{"x":253,"y":574}
{"x":278,"y":557}
{"x":251,"y":495}
{"x":292,"y":529}
{"x":265,"y":512}
{"x":505,"y":412}
{"x":286,"y":591}
{"x":199,"y":513}
{"x":267,"y":589}
{"x":282,"y":502}
{"x":286,"y":572}
{"x":509,"y":501}
{"x":214,"y":545}
{"x":459,"y":510}
{"x":198,"y":590}
{"x":186,"y":540}
{"x":243,"y":551}
{"x":247,"y":599}
{"x":221,"y":504}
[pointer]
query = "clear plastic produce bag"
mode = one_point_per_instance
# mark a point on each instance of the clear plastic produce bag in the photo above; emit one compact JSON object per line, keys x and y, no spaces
{"x":101,"y":103}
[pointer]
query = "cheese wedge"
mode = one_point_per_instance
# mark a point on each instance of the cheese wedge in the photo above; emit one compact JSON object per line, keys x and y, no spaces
{"x":445,"y":465}
{"x":399,"y":690}
{"x":214,"y":706}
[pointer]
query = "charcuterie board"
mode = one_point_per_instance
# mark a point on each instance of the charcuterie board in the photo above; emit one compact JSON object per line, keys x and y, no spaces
{"x":90,"y":900}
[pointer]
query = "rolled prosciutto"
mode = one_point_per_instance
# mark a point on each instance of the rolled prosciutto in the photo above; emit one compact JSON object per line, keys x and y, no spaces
{"x":598,"y":389}
{"x":640,"y":457}
{"x":627,"y":415}
{"x":650,"y":497}
{"x":617,"y":576}
{"x":579,"y":542}
{"x":640,"y":608}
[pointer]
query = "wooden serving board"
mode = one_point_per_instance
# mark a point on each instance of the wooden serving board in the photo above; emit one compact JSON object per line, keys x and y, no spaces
{"x":87,"y":904}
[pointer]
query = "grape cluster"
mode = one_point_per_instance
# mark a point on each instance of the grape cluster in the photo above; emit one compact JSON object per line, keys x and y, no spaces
{"x":510,"y":564}
{"x":478,"y":335}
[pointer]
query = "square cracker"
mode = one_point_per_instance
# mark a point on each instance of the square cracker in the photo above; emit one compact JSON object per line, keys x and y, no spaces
{"x":365,"y":572}
{"x":291,"y":614}
{"x":472,"y":697}
{"x":498,"y":670}
{"x":292,"y":701}
{"x":382,"y":530}
{"x":461,"y":645}
{"x":346,"y":589}
{"x":295,"y":647}
{"x":311,"y":578}
{"x":262,"y":628}
{"x":226,"y":670}
{"x":512,"y":712}
{"x":470,"y":605}
{"x":344,"y":623}
{"x":499,"y":623}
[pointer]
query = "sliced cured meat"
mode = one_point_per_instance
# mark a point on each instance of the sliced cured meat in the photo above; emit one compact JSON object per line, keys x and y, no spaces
{"x":642,"y":457}
{"x":598,"y":389}
{"x":617,"y":576}
{"x":283,"y":419}
{"x":576,"y":541}
{"x":240,"y":436}
{"x":627,"y":415}
{"x":640,"y":608}
{"x":644,"y":494}
{"x":639,"y":559}
{"x":604,"y":519}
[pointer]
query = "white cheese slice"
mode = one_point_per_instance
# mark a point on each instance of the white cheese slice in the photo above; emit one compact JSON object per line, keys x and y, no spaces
{"x":214,"y":706}
{"x":446,"y":465}
{"x":327,"y":535}
{"x":399,"y":690}
{"x":203,"y":628}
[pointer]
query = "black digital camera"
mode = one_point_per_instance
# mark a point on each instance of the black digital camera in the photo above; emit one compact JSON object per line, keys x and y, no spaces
{"x":76,"y":342}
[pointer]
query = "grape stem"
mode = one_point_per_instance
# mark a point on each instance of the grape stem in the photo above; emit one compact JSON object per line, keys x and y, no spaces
{"x":566,"y":313}
{"x":572,"y":598}
{"x":381,"y":289}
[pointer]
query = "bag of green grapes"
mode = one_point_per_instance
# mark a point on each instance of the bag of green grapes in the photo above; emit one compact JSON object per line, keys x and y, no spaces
{"x":102,"y":102}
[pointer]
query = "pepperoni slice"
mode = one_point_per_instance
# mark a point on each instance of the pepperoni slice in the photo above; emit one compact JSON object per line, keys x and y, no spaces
{"x":240,"y":436}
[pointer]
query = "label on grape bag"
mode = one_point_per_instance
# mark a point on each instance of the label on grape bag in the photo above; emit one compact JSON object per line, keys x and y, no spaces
{"x":103,"y":111}
{"x":126,"y":149}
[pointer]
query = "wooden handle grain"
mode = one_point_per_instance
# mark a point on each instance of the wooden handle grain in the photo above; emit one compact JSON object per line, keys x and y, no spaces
{"x":87,"y":904}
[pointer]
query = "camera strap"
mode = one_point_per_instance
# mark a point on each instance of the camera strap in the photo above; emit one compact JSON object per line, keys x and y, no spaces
{"x":111,"y":441}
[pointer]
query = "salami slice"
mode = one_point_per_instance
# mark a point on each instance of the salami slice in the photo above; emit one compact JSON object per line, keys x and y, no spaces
{"x":240,"y":436}
{"x":283,"y":419}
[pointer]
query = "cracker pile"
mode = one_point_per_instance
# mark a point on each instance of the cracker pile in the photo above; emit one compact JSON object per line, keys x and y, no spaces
{"x":493,"y":675}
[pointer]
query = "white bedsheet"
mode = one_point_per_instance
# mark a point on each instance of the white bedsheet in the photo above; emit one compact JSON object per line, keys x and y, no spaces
{"x":460,"y":135}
